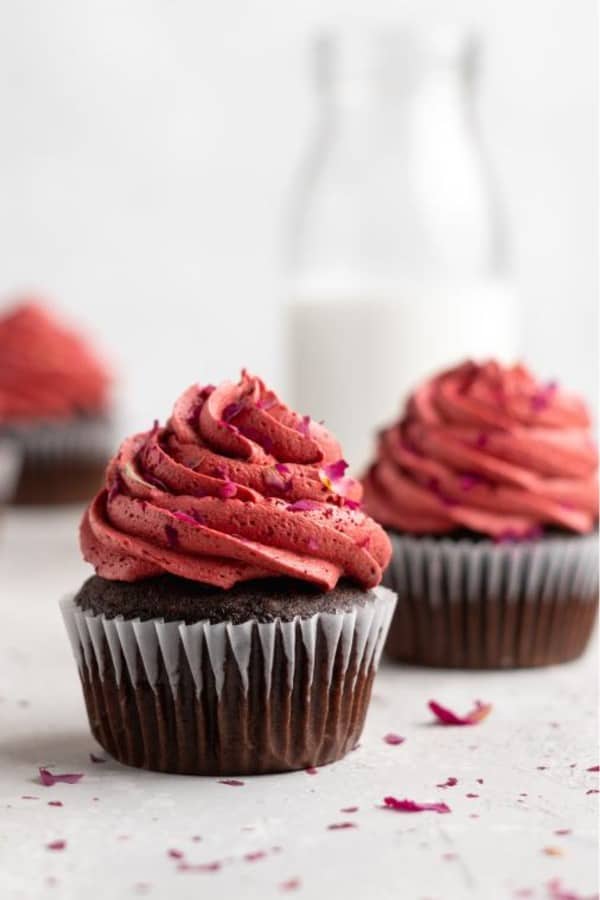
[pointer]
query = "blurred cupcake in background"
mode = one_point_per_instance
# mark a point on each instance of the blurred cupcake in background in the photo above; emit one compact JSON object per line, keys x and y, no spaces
{"x":54,"y":407}
{"x":488,"y":488}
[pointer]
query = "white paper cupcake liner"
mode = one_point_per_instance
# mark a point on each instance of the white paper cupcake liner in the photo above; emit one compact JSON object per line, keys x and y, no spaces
{"x":10,"y":466}
{"x":48,"y":441}
{"x":300,"y":689}
{"x":483,"y":604}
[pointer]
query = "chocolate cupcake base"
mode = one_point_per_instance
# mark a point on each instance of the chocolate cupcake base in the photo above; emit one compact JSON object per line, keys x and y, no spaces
{"x":230,"y":697}
{"x":472,"y":604}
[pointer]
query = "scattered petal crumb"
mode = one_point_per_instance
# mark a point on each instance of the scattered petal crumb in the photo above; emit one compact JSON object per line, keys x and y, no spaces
{"x":557,"y":892}
{"x":410,"y":806}
{"x":48,"y":779}
{"x":451,"y":781}
{"x":232,"y":782}
{"x":196,"y":838}
{"x":593,"y":769}
{"x":471,"y":796}
{"x":339,"y":826}
{"x":449,"y":856}
{"x":393,"y":739}
{"x":562,"y":831}
{"x":292,"y":884}
{"x":175,"y":854}
{"x":28,"y":797}
{"x":349,"y":809}
{"x":311,"y":770}
{"x":199,"y":867}
{"x":255,"y":856}
{"x":552,"y":851}
{"x":55,"y":803}
{"x":541,"y":768}
{"x":56,"y":845}
{"x":592,"y":791}
{"x":446,"y":717}
{"x":479,"y":780}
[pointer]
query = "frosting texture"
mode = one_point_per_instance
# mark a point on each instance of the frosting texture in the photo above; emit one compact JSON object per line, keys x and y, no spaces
{"x":46,"y":370}
{"x":490,"y":449}
{"x":235,"y":487}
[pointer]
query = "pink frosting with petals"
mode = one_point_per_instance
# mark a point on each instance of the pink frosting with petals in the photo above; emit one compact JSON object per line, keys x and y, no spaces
{"x":490,"y":449}
{"x":46,"y":370}
{"x":235,"y":487}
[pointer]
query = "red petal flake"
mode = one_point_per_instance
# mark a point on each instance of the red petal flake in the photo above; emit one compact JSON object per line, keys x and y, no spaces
{"x":557,"y":892}
{"x":48,"y":779}
{"x":449,"y":782}
{"x":311,"y":770}
{"x":227,"y":490}
{"x":292,"y":884}
{"x":593,"y":769}
{"x":393,"y":739}
{"x":55,"y":803}
{"x":349,"y":809}
{"x":304,"y":426}
{"x":447,"y":717}
{"x":172,"y":537}
{"x":471,"y":796}
{"x":175,"y":854}
{"x":232,"y":782}
{"x":341,"y":826}
{"x":199,"y":867}
{"x":336,"y":470}
{"x":56,"y":845}
{"x":303,"y":506}
{"x":255,"y":856}
{"x":411,"y":806}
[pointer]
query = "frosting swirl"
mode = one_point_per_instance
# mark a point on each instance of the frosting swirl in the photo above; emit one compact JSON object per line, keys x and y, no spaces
{"x":47,"y":371}
{"x":490,"y":449}
{"x":235,"y":487}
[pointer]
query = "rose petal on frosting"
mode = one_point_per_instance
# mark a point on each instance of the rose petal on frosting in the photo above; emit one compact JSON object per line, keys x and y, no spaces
{"x":410,"y":806}
{"x":447,"y":717}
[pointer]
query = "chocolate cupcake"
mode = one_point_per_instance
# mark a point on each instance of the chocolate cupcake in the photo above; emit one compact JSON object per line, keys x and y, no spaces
{"x":235,"y":622}
{"x":54,"y":407}
{"x":488,"y":489}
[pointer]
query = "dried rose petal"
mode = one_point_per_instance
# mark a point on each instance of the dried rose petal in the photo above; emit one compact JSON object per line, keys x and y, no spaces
{"x":48,"y":779}
{"x":255,"y":856}
{"x":411,"y":806}
{"x":55,"y":803}
{"x":336,"y":470}
{"x":562,"y":831}
{"x":393,"y":739}
{"x":311,"y":770}
{"x":593,"y":791}
{"x":471,"y":796}
{"x":292,"y":884}
{"x":557,"y":892}
{"x":447,"y":717}
{"x":349,"y":809}
{"x":449,"y":782}
{"x":28,"y":797}
{"x":232,"y":782}
{"x":303,"y":506}
{"x":199,"y":867}
{"x":341,"y":826}
{"x":175,"y":854}
{"x":56,"y":845}
{"x":304,"y":426}
{"x":593,"y":769}
{"x":227,"y":490}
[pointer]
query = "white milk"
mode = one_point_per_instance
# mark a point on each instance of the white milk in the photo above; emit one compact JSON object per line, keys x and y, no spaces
{"x":352,"y":360}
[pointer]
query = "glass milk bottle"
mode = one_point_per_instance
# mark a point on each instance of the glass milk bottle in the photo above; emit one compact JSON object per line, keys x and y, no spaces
{"x":396,"y":251}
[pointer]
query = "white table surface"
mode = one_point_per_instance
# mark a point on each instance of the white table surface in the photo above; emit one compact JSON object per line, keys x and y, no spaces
{"x":120,"y":823}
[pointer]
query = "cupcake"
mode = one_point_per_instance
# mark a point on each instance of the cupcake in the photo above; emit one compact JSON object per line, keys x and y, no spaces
{"x":54,"y":406}
{"x":236,"y":618}
{"x":488,"y":489}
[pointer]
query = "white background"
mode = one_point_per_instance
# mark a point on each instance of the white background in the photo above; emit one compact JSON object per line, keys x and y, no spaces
{"x":147,"y":147}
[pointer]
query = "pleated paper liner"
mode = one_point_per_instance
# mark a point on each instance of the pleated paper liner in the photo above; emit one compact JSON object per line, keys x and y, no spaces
{"x":225,"y":699}
{"x":61,"y":462}
{"x":10,"y":465}
{"x":482,"y":605}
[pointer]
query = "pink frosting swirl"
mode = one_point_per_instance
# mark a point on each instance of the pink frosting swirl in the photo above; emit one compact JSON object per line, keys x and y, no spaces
{"x":235,"y":487}
{"x":46,"y":370}
{"x":490,"y":449}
